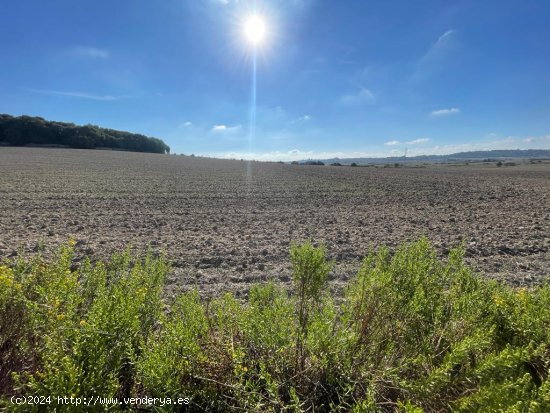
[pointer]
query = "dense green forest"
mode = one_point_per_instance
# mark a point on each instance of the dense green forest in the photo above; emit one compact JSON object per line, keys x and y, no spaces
{"x":28,"y":130}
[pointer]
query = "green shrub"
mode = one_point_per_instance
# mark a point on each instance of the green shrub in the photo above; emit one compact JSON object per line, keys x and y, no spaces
{"x":310,"y":272}
{"x":175,"y":353}
{"x":412,"y":333}
{"x":85,"y":329}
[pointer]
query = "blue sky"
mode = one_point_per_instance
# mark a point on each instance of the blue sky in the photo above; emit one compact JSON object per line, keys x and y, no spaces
{"x":334,"y":78}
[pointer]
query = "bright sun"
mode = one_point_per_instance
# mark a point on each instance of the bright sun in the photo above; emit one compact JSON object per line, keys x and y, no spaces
{"x":255,"y":30}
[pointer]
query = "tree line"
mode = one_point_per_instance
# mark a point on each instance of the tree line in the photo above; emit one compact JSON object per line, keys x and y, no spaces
{"x":34,"y":130}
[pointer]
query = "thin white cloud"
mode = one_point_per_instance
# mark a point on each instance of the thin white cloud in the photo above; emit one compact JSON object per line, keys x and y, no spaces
{"x":81,"y":95}
{"x":291,"y":155}
{"x":418,"y":141}
{"x":537,"y":142}
{"x":225,"y":128}
{"x":92,"y":52}
{"x":188,"y":123}
{"x":543,"y":141}
{"x":444,"y":112}
{"x":391,"y":143}
{"x":363,"y":96}
{"x":302,"y":119}
{"x":436,"y":56}
{"x":510,"y":142}
{"x":441,"y":44}
{"x":444,"y":36}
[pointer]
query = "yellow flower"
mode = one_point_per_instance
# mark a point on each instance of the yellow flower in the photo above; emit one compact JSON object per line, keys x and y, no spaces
{"x":60,"y":316}
{"x":82,"y":322}
{"x":522,"y":294}
{"x":6,"y":276}
{"x":498,"y":301}
{"x":5,"y":282}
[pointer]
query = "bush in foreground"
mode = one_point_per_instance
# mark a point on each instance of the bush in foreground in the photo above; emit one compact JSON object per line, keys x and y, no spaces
{"x":411,"y":333}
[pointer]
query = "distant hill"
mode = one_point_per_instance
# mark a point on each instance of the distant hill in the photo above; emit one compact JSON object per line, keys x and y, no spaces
{"x":29,"y":131}
{"x":460,"y":156}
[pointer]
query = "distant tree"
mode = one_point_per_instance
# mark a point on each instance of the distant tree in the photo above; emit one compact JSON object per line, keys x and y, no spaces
{"x":336,"y":164}
{"x":295,"y":163}
{"x":27,"y":130}
{"x":353,"y":164}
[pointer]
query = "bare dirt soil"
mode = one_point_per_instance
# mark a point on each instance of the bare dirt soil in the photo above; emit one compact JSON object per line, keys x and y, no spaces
{"x":226,"y":224}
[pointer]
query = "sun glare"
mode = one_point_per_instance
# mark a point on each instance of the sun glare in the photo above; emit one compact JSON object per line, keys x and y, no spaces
{"x":254,"y":30}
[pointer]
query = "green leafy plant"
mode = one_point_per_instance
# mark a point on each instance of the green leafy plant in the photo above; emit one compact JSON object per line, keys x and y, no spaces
{"x":412,"y":333}
{"x":310,"y":272}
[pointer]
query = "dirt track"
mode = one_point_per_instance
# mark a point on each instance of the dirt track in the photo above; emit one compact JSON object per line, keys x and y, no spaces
{"x":227,"y":224}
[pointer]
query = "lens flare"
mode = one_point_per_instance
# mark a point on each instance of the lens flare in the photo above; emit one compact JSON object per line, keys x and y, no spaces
{"x":255,"y":29}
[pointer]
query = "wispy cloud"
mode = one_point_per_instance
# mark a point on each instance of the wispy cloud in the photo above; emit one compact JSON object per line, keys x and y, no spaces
{"x":444,"y":112}
{"x":418,"y":141}
{"x":391,"y":143}
{"x":510,"y":142}
{"x":291,"y":155}
{"x":540,"y":142}
{"x":225,"y":128}
{"x":188,"y":123}
{"x":92,"y":52}
{"x":443,"y":37}
{"x":363,"y":96}
{"x":434,"y":59}
{"x":442,"y":43}
{"x":80,"y":95}
{"x":302,"y":119}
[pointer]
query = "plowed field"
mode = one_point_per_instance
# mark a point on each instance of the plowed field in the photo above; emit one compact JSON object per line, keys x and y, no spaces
{"x":226,"y":224}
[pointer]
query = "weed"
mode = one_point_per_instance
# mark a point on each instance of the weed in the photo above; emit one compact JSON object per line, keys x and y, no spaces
{"x":412,"y":333}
